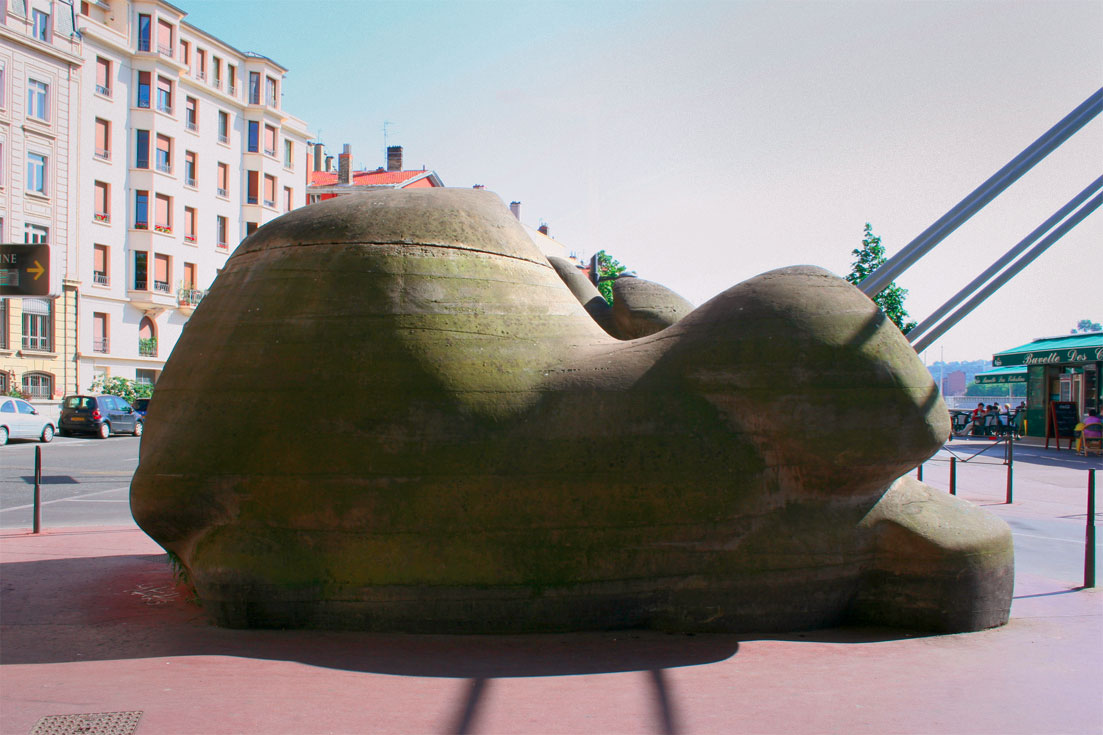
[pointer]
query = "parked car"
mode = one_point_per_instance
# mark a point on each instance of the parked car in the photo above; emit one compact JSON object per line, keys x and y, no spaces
{"x":21,"y":420}
{"x":99,"y":415}
{"x":141,"y":405}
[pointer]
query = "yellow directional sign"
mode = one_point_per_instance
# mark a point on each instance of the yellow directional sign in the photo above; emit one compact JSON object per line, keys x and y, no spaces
{"x":24,"y":269}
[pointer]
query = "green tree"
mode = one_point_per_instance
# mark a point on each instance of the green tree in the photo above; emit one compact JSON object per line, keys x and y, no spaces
{"x":1087,"y":325}
{"x":124,"y":388}
{"x":608,"y":268}
{"x":891,"y":300}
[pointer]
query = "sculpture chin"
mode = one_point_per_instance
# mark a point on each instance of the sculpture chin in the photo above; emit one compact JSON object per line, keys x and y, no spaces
{"x":390,"y":413}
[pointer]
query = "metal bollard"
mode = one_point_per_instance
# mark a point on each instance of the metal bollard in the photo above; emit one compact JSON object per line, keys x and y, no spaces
{"x":919,"y":473}
{"x":1089,"y":534}
{"x":37,"y":523}
{"x":1010,"y":467}
{"x":953,"y":475}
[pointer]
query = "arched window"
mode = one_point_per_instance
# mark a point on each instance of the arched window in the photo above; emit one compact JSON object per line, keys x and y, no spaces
{"x":38,"y":385}
{"x":147,"y":338}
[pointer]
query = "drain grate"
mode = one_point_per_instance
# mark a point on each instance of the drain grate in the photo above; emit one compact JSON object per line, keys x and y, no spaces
{"x":100,"y":723}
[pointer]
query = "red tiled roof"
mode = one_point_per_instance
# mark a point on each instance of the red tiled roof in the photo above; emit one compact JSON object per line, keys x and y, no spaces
{"x":365,"y":178}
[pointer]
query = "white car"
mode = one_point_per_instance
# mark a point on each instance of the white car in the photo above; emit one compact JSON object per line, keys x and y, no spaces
{"x":21,"y":420}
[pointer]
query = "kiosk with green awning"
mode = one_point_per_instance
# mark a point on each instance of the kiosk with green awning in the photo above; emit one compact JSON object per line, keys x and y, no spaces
{"x":1065,"y":368}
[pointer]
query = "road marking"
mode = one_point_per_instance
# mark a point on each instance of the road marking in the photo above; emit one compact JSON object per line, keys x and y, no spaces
{"x":62,"y":500}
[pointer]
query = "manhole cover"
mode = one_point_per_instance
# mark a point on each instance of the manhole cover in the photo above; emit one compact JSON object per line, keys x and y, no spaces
{"x":99,"y":723}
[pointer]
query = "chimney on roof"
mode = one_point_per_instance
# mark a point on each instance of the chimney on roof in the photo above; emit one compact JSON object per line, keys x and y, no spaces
{"x":478,"y":186}
{"x":319,"y":156}
{"x":344,"y":165}
{"x":329,"y":164}
{"x":515,"y":207}
{"x":394,"y":158}
{"x":543,"y":230}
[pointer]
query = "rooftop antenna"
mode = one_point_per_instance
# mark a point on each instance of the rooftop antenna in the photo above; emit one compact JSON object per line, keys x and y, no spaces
{"x":385,"y":144}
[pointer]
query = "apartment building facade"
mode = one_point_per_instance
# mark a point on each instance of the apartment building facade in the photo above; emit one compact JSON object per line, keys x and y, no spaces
{"x":184,"y":149}
{"x":40,"y":67}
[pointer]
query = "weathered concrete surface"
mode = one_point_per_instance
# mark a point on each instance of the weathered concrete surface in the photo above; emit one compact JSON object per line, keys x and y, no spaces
{"x":587,"y":295}
{"x":642,"y":308}
{"x":390,"y":413}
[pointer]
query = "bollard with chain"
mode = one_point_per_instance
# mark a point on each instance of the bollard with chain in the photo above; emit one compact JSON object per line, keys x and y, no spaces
{"x":1010,"y":465}
{"x":37,"y":523}
{"x":1089,"y":534}
{"x":953,"y":475}
{"x":919,"y":473}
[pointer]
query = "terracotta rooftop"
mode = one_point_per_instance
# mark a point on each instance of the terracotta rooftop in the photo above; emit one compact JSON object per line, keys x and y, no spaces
{"x":368,"y":178}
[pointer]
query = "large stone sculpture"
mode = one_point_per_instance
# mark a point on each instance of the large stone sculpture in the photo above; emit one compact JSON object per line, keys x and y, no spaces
{"x":390,"y":413}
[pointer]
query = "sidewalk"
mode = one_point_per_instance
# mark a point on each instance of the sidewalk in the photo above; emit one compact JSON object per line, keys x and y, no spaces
{"x":92,"y":623}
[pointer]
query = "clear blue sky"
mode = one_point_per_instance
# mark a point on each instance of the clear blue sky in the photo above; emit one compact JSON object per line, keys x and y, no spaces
{"x":702,"y":143}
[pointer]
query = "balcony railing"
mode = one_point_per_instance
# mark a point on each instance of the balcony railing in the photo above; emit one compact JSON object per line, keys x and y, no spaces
{"x":269,"y":151}
{"x":223,"y":246}
{"x":143,"y":44}
{"x":162,"y":286}
{"x":164,"y":50}
{"x":192,"y":125}
{"x":231,"y":90}
{"x":223,"y":138}
{"x":99,"y":278}
{"x":103,"y":153}
{"x":201,"y":76}
{"x":99,"y":345}
{"x":189,"y":181}
{"x":251,"y":199}
{"x":147,"y":347}
{"x":164,"y":107}
{"x":31,"y":342}
{"x":223,"y":193}
{"x":164,"y":167}
{"x":102,"y":217}
{"x":105,"y":91}
{"x":188,"y":296}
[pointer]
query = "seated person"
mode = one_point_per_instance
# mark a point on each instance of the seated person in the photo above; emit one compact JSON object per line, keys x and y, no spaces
{"x":1093,"y":424}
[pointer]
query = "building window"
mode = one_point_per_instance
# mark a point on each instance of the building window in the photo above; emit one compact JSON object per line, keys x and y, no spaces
{"x":103,"y":76}
{"x":221,"y":227}
{"x":161,"y":273}
{"x":223,"y":127}
{"x":147,"y":338}
{"x":185,"y":54}
{"x":144,"y":28}
{"x":254,"y":88}
{"x":272,"y":89}
{"x":99,"y":265}
{"x":216,"y":72}
{"x":35,"y":234}
{"x":223,"y":180}
{"x":38,"y":99}
{"x":164,"y":95}
{"x":189,"y":276}
{"x":103,"y":139}
{"x":3,"y":84}
{"x":141,"y":210}
{"x":231,"y":86}
{"x":145,"y":377}
{"x":36,"y":324}
{"x":190,"y":168}
{"x":141,"y":149}
{"x":269,"y":191}
{"x":164,"y":154}
{"x":191,"y":113}
{"x":200,"y":64}
{"x":99,"y":332}
{"x":36,"y":173}
{"x":141,"y":270}
{"x":38,"y":386}
{"x":190,"y":220}
{"x":41,"y":25}
{"x":164,"y":38}
{"x":269,"y":140}
{"x":287,"y":198}
{"x":252,"y":186}
{"x":102,"y":202}
{"x":251,"y":227}
{"x":288,"y":154}
{"x":253,"y":143}
{"x":163,"y":221}
{"x":144,"y":83}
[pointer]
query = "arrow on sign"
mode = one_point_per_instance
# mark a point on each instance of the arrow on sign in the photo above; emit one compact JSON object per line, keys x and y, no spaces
{"x":38,"y":270}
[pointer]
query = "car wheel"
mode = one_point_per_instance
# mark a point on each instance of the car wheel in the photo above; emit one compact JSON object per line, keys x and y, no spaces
{"x":47,"y":434}
{"x":104,"y":430}
{"x":138,"y":429}
{"x":3,"y":435}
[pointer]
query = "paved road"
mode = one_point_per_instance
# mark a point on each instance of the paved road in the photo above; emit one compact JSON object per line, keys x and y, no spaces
{"x":85,"y":482}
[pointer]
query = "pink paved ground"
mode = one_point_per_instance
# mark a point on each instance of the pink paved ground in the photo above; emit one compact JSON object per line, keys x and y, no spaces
{"x":92,"y":622}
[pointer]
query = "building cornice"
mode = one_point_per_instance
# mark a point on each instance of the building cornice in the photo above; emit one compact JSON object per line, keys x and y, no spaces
{"x":42,"y":48}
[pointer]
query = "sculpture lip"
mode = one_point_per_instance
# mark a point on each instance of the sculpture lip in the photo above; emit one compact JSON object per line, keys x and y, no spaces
{"x":473,"y":220}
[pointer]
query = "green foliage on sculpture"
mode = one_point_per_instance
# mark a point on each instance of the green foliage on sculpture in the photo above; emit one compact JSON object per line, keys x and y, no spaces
{"x":608,"y":268}
{"x":869,"y":258}
{"x":124,"y":388}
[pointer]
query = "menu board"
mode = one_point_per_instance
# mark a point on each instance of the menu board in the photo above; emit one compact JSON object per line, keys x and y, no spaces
{"x":1063,"y":418}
